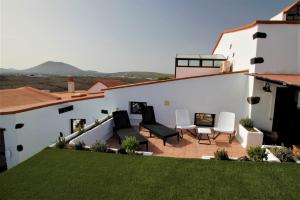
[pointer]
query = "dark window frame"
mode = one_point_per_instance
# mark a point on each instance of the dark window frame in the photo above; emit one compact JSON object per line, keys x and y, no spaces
{"x":200,"y":61}
{"x":72,"y":123}
{"x":205,"y":125}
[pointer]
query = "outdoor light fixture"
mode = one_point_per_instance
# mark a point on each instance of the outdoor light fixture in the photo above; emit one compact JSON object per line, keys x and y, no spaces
{"x":267,"y":88}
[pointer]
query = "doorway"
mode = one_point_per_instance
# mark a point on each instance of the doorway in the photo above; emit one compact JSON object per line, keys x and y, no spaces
{"x":286,"y":121}
{"x":3,"y":165}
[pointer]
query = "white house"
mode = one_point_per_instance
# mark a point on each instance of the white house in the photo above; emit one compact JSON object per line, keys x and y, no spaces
{"x":264,"y":64}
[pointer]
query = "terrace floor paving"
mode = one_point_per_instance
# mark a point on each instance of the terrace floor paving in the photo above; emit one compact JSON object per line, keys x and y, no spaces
{"x":188,"y":147}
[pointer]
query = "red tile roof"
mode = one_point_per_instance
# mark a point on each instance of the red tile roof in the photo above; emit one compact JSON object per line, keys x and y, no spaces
{"x":28,"y":98}
{"x":286,"y":79}
{"x":110,"y":83}
{"x":287,"y":9}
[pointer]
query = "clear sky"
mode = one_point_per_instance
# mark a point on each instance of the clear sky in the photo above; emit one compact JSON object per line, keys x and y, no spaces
{"x":119,"y":35}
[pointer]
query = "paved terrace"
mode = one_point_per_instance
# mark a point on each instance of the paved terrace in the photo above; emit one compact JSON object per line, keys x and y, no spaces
{"x":188,"y":147}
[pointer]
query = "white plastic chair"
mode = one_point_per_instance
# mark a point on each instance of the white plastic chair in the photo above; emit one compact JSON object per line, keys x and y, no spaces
{"x":184,"y":122}
{"x":225,"y":124}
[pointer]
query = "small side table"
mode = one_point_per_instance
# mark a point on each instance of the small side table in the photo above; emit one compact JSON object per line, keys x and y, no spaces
{"x":202,"y":134}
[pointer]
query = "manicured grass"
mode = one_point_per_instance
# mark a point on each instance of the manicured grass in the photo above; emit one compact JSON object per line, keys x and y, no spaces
{"x":69,"y":174}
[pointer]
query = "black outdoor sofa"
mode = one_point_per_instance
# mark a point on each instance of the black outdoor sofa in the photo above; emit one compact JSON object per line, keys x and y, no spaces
{"x":123,"y":128}
{"x":159,"y":130}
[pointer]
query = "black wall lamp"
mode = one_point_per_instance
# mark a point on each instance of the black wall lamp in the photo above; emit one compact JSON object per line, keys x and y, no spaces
{"x":267,"y":88}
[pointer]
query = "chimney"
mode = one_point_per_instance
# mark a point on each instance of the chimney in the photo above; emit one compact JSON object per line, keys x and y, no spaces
{"x":71,"y":85}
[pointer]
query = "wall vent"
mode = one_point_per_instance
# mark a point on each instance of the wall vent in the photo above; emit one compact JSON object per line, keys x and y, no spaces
{"x":17,"y":126}
{"x":20,"y":147}
{"x":257,"y":60}
{"x":65,"y":109}
{"x":259,"y":35}
{"x":104,"y":111}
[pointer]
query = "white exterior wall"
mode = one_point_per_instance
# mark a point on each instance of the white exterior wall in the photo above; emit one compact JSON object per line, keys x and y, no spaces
{"x":243,"y":47}
{"x":279,"y":17}
{"x":206,"y":94}
{"x":262,"y":113}
{"x":42,"y":127}
{"x":98,"y":87}
{"x":280,"y":49}
{"x":195,"y":71}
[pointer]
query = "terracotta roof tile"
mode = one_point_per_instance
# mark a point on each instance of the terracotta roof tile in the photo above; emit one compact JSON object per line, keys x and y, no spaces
{"x":27,"y":98}
{"x":286,"y":79}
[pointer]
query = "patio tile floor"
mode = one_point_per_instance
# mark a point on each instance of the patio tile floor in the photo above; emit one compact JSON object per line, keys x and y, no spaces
{"x":188,"y":147}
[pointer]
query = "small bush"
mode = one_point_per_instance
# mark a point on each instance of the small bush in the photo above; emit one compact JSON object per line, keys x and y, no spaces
{"x":80,"y":145}
{"x":99,"y":146}
{"x":61,"y":143}
{"x":247,"y":123}
{"x":221,"y":155}
{"x":256,"y":153}
{"x":161,"y":78}
{"x":243,"y":158}
{"x":130,"y":144}
{"x":282,"y":153}
{"x":80,"y":131}
{"x":97,"y":122}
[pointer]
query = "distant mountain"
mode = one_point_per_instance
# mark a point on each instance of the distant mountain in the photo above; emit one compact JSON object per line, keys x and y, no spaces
{"x":140,"y":75}
{"x":64,"y":69}
{"x":54,"y":68}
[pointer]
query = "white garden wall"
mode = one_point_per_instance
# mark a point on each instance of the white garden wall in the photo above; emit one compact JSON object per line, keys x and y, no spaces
{"x":206,"y":94}
{"x":100,"y":133}
{"x":42,"y":127}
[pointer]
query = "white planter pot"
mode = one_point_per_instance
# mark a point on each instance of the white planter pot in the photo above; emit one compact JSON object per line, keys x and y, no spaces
{"x":249,"y":138}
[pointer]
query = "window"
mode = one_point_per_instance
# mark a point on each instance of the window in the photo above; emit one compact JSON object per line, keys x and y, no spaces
{"x":194,"y":63}
{"x":218,"y":63}
{"x":136,"y":107}
{"x":77,"y":124}
{"x":204,"y":119}
{"x":293,"y":14}
{"x":183,"y":63}
{"x":207,"y":63}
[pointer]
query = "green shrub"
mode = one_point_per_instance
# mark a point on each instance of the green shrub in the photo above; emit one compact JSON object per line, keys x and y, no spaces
{"x":256,"y":153}
{"x":61,"y":143}
{"x":80,"y":145}
{"x":97,"y":122}
{"x":247,"y":123}
{"x":221,"y":155}
{"x":161,"y":78}
{"x":80,"y":131}
{"x":130,"y":144}
{"x":282,"y":153}
{"x":99,"y":146}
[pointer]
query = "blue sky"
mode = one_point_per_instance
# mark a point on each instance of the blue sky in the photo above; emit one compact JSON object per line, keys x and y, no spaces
{"x":120,"y":35}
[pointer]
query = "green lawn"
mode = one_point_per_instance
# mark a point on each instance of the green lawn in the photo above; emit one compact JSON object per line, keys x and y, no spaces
{"x":69,"y":174}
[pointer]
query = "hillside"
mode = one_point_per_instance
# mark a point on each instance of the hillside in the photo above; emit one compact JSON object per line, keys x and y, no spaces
{"x":64,"y":69}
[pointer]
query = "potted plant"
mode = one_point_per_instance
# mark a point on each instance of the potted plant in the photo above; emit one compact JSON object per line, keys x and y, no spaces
{"x":257,"y":153}
{"x":249,"y":135}
{"x":130,"y":144}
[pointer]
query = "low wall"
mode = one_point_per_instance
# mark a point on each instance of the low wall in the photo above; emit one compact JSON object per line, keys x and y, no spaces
{"x":102,"y":132}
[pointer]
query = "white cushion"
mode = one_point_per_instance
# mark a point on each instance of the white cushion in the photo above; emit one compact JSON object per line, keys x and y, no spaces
{"x":224,"y":130}
{"x":186,"y":127}
{"x":204,"y":130}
